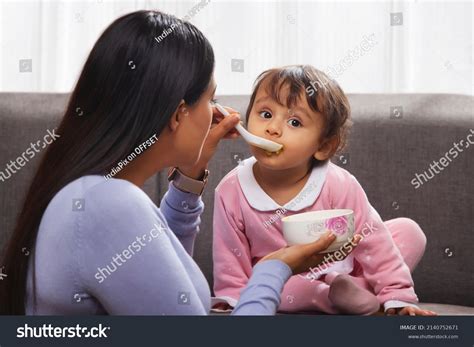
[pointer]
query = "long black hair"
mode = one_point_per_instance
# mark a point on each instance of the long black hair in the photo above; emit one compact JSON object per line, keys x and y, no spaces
{"x":137,"y":73}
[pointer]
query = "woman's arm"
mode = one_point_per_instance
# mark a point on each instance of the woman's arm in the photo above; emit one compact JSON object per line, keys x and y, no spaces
{"x":262,"y":294}
{"x":182,"y":212}
{"x":130,"y":261}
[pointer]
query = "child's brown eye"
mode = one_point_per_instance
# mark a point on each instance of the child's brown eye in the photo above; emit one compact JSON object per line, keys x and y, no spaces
{"x":265,"y":114}
{"x":294,"y":123}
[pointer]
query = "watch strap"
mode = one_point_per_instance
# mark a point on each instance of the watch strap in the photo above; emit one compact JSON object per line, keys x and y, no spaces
{"x":186,"y":183}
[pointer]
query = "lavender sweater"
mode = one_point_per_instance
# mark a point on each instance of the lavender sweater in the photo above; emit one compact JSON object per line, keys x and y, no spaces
{"x":104,"y":247}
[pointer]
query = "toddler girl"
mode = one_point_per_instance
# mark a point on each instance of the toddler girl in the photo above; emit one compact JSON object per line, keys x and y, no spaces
{"x":308,"y":113}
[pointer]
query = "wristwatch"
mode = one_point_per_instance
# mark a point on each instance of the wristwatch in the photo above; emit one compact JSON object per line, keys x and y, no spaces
{"x":188,"y":184}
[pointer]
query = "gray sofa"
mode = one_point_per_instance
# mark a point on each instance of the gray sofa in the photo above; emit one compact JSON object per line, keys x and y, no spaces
{"x":394,"y":137}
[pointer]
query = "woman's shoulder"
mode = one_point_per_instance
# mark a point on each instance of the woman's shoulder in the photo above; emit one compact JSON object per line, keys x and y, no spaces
{"x":116,"y":191}
{"x":110,"y":211}
{"x":119,"y":199}
{"x":95,"y":195}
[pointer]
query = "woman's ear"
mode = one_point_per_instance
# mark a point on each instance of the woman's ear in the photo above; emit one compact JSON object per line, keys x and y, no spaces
{"x":177,"y":116}
{"x":327,"y":148}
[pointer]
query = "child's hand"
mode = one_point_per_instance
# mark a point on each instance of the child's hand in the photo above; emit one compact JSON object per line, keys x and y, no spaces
{"x":302,"y":257}
{"x":409,"y":311}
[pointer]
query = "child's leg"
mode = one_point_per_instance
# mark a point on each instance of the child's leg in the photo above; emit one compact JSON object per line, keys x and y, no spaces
{"x":409,"y":238}
{"x":351,"y":295}
{"x":301,"y":294}
{"x":410,"y":241}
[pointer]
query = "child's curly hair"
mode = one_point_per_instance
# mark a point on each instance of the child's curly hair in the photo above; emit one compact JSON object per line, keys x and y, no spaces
{"x":324,"y":95}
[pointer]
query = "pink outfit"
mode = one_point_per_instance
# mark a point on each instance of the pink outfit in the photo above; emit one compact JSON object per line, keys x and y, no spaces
{"x":247,"y":226}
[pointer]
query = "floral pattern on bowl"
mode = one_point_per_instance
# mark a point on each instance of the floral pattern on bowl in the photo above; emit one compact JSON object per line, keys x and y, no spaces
{"x":316,"y":228}
{"x":338,"y":225}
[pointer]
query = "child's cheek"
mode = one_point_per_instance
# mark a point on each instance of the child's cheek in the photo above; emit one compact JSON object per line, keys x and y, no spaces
{"x":256,"y":124}
{"x":251,"y":124}
{"x":296,"y":146}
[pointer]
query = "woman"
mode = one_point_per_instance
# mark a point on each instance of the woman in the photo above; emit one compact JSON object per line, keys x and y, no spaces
{"x":100,"y":245}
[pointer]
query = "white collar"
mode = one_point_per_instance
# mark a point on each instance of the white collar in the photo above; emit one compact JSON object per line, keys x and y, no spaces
{"x":258,"y":199}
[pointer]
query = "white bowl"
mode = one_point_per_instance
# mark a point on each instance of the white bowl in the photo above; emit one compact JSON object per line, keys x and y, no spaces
{"x":310,"y":226}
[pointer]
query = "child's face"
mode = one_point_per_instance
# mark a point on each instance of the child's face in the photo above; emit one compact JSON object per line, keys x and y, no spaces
{"x":298,"y":129}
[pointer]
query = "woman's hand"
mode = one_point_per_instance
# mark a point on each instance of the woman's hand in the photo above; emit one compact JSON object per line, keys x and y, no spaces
{"x":300,"y":258}
{"x":221,"y":128}
{"x":409,"y":311}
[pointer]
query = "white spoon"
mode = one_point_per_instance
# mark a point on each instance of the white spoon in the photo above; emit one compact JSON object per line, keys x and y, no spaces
{"x":252,"y":139}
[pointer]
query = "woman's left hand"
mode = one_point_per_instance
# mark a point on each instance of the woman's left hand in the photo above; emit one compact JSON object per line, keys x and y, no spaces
{"x":409,"y":311}
{"x":221,"y":128}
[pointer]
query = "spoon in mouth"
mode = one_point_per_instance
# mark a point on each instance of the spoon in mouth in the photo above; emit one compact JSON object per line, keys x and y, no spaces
{"x":252,"y":139}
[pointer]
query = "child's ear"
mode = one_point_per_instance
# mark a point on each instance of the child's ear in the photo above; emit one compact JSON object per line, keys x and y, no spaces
{"x":327,"y":148}
{"x":177,"y":116}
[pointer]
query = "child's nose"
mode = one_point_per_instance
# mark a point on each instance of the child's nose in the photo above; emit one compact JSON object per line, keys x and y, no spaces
{"x":273,"y":128}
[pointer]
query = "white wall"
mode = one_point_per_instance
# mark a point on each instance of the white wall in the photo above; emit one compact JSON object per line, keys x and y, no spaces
{"x":430,"y":52}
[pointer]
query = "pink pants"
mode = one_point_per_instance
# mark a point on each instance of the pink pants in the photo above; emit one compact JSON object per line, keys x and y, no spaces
{"x":407,"y":236}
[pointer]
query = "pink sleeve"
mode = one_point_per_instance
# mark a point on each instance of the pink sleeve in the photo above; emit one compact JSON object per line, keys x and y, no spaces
{"x":382,"y":264}
{"x":231,"y":250}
